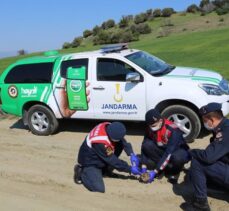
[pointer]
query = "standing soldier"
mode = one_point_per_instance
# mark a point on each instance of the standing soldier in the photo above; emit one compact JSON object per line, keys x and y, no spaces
{"x":211,"y":164}
{"x":99,"y":152}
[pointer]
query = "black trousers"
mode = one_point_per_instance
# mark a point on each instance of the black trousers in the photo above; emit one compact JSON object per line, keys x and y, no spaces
{"x":200,"y":173}
{"x":151,"y":154}
{"x":92,"y":176}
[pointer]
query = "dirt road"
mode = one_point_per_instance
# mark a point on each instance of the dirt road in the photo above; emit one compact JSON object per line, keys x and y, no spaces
{"x":36,"y":174}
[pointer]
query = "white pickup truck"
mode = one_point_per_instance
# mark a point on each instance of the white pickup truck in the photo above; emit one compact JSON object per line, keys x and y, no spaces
{"x":123,"y":83}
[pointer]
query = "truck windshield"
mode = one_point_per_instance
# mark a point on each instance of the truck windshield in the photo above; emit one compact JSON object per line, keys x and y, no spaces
{"x":149,"y":63}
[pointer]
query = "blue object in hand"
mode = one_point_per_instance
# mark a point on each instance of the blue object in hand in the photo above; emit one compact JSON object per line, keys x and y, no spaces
{"x":134,"y":160}
{"x":152,"y":175}
{"x":135,"y":170}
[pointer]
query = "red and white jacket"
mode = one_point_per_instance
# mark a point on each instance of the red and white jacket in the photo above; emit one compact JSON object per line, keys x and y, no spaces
{"x":162,"y":136}
{"x":98,"y":135}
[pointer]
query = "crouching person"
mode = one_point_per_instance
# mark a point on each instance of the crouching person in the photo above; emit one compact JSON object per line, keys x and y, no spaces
{"x":163,"y":147}
{"x":99,"y":152}
{"x":211,"y":164}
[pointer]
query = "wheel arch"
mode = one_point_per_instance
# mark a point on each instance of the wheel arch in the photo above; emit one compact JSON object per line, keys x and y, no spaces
{"x":26,"y":108}
{"x":164,"y":104}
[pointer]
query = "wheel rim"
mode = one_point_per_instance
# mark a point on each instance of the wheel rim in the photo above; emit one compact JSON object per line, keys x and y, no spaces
{"x":183,"y":122}
{"x":40,"y":121}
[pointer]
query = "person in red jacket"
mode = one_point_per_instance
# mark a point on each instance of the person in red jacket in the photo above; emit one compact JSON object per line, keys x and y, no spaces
{"x":163,"y":147}
{"x":100,"y":151}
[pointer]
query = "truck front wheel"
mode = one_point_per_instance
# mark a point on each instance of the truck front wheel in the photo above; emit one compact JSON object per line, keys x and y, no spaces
{"x":186,"y":119}
{"x":42,"y":121}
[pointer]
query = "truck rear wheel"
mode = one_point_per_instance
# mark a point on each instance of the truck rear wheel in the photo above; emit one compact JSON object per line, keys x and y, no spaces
{"x":41,"y":120}
{"x":186,"y":119}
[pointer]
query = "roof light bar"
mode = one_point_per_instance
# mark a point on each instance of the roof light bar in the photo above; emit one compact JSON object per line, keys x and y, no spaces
{"x":114,"y":47}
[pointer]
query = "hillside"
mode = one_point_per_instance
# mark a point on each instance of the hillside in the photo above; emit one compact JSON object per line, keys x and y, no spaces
{"x":185,"y":40}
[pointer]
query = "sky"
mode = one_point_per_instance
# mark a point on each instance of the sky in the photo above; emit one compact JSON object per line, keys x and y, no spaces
{"x":39,"y":25}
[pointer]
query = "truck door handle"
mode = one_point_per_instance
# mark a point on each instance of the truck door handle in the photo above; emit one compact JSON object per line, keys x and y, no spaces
{"x":98,"y":88}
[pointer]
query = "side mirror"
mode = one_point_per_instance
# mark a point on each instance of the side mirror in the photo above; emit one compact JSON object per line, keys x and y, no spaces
{"x":78,"y":73}
{"x":133,"y":77}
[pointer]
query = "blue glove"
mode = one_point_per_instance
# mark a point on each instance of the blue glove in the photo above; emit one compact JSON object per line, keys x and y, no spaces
{"x":134,"y":160}
{"x":135,"y":170}
{"x":152,"y":175}
{"x":144,"y":170}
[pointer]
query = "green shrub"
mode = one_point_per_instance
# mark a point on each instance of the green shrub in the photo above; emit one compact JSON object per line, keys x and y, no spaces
{"x":87,"y":33}
{"x":124,"y":22}
{"x":204,"y":2}
{"x":192,"y":8}
{"x":108,"y":24}
{"x":76,"y":42}
{"x":166,"y":22}
{"x":66,"y":45}
{"x":141,"y":18}
{"x":143,"y":28}
{"x":96,"y":30}
{"x":167,"y":12}
{"x":222,"y":11}
{"x":157,"y":13}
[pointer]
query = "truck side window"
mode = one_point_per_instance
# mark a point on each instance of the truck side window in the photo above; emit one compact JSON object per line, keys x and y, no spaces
{"x":112,"y":70}
{"x":30,"y":73}
{"x":73,"y":63}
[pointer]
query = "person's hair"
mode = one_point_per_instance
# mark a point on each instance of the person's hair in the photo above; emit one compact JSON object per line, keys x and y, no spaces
{"x":214,"y":115}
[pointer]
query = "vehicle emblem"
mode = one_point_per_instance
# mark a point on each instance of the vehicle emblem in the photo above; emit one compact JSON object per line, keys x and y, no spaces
{"x":118,"y":97}
{"x":12,"y":91}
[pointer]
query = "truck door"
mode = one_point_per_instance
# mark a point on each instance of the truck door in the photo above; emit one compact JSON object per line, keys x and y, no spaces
{"x":113,"y":95}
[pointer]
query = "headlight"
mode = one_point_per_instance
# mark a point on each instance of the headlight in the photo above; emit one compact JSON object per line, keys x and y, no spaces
{"x":224,"y":86}
{"x":211,"y":89}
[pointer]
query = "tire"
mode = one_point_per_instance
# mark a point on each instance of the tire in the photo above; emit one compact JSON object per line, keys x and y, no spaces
{"x":186,"y":119}
{"x":41,"y":121}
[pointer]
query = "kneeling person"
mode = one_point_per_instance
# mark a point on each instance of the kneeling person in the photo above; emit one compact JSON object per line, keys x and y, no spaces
{"x":99,"y":152}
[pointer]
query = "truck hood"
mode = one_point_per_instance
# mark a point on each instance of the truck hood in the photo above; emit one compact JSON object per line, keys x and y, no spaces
{"x":195,"y":74}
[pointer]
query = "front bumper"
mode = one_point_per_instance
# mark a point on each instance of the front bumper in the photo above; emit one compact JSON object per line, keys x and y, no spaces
{"x":225,"y":108}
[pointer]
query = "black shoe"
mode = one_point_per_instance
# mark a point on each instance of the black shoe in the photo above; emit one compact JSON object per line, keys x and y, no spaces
{"x":173,"y":178}
{"x":77,"y":174}
{"x":201,"y":204}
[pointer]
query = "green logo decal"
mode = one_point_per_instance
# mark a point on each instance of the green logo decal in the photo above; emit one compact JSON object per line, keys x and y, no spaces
{"x":76,"y":85}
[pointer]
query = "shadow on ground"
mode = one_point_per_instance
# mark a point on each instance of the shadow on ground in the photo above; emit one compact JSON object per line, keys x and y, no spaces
{"x":85,"y":126}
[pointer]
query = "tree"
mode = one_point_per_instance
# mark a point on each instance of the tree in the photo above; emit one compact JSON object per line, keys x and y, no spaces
{"x":87,"y":33}
{"x":141,"y":18}
{"x":66,"y":45}
{"x":204,"y":2}
{"x":123,"y":22}
{"x":143,"y":28}
{"x":76,"y":42}
{"x":102,"y":38}
{"x":96,"y":30}
{"x":108,"y":24}
{"x":193,"y":8}
{"x":167,"y":12}
{"x":157,"y":13}
{"x":21,"y":52}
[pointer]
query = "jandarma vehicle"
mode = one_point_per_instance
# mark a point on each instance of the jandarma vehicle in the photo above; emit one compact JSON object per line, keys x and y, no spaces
{"x":123,"y":83}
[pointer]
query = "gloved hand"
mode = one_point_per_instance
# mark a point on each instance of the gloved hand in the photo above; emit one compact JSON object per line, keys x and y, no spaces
{"x":147,"y":177}
{"x":135,"y":170}
{"x":144,"y":170}
{"x":152,"y":175}
{"x":134,"y":160}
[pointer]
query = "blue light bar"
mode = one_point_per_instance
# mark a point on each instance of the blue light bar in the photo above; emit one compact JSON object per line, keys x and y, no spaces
{"x":114,"y":47}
